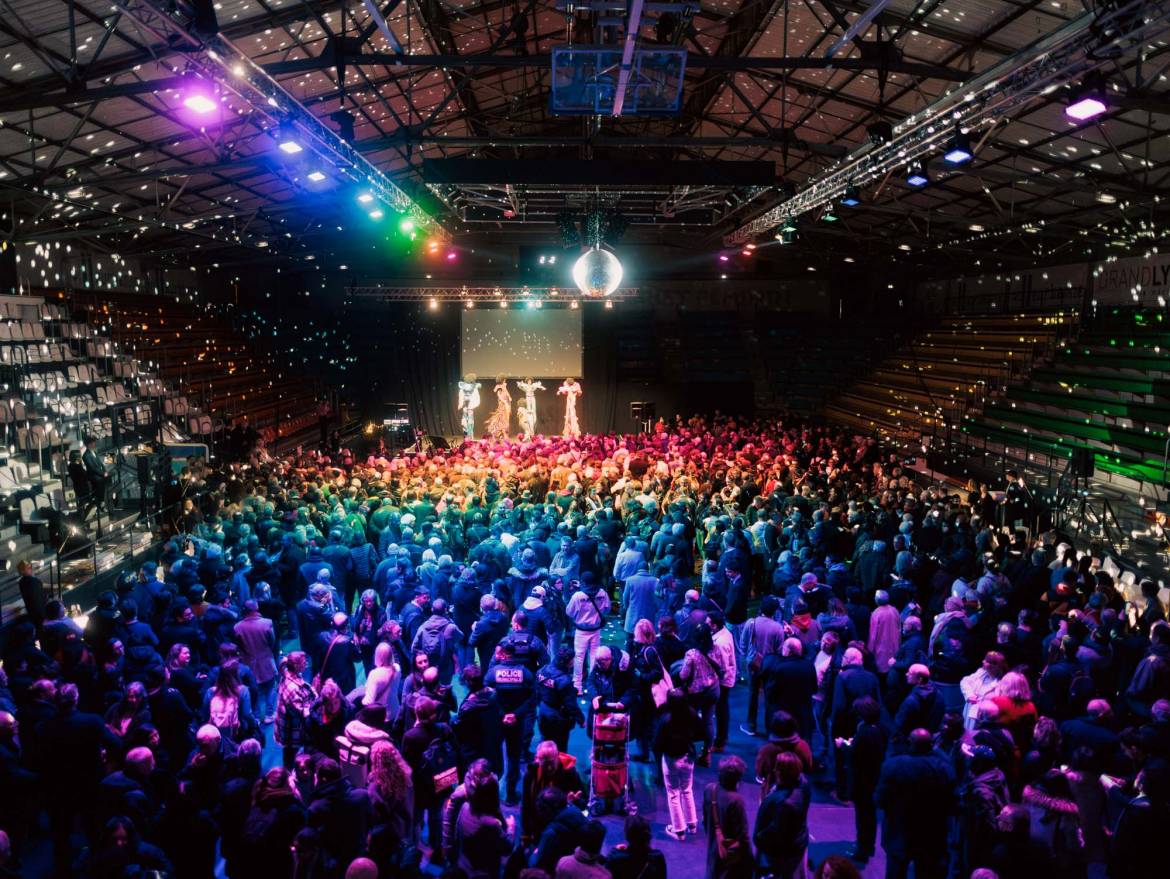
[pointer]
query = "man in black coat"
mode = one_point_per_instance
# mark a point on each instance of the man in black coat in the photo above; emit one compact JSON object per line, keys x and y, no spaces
{"x":865,"y":753}
{"x":338,"y":654}
{"x":72,"y":742}
{"x":790,"y":682}
{"x":922,"y":709}
{"x":1092,"y":730}
{"x":479,"y":723}
{"x":339,"y":811}
{"x":313,"y":617}
{"x":32,"y":593}
{"x":916,"y":790}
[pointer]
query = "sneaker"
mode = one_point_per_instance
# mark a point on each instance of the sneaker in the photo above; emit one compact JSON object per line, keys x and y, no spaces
{"x":692,"y":828}
{"x":679,"y":835}
{"x":748,"y":730}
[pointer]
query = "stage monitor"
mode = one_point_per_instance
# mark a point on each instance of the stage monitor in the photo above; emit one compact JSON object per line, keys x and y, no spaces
{"x":518,"y":342}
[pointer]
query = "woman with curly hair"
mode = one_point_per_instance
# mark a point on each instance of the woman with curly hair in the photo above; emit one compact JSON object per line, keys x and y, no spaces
{"x":390,"y":791}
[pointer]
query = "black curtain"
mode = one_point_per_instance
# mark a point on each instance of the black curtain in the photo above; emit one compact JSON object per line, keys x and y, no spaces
{"x":410,"y":355}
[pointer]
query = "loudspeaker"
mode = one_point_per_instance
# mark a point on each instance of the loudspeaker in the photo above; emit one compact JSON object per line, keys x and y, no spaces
{"x":1083,"y":463}
{"x":203,"y":18}
{"x":8,"y":276}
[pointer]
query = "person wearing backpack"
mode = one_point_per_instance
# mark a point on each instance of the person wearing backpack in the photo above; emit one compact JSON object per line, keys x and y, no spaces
{"x":439,"y":639}
{"x":429,"y":749}
{"x":699,"y":677}
{"x":227,"y":705}
{"x":586,"y":611}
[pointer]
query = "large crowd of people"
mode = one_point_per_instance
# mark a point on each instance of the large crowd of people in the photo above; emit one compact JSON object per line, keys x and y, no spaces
{"x":359,"y":668}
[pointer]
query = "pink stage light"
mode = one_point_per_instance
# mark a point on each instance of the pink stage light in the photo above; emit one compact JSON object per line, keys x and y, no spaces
{"x":1086,"y":108}
{"x":199,"y":103}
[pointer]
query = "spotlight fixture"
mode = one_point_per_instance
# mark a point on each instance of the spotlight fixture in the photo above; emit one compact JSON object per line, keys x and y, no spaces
{"x":723,"y":257}
{"x":959,"y":148}
{"x":316,"y":176}
{"x":789,"y":225}
{"x":433,"y":305}
{"x":976,"y":227}
{"x":503,"y":303}
{"x":200,"y":103}
{"x":452,"y":256}
{"x":828,"y":216}
{"x":1088,"y":101}
{"x":573,"y":304}
{"x":1106,"y":198}
{"x":852,"y":196}
{"x":880,"y":132}
{"x":365,"y":198}
{"x":406,"y":225}
{"x":345,"y":123}
{"x":376,"y":214}
{"x":287,"y":143}
{"x":917,"y":175}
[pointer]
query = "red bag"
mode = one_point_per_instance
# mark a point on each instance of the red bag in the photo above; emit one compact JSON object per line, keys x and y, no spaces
{"x":609,"y":779}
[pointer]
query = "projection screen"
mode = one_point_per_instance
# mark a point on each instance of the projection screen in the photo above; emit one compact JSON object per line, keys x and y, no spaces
{"x":519,"y":342}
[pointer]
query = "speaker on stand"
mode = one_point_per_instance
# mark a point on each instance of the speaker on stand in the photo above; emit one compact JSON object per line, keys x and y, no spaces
{"x":643,"y":412}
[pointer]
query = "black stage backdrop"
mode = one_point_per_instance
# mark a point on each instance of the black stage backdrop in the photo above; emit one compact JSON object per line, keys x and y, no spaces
{"x":410,"y":354}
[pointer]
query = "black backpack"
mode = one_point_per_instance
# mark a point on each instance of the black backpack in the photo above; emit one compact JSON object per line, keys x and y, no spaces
{"x":440,"y":772}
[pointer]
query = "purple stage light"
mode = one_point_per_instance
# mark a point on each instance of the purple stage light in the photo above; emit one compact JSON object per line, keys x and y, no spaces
{"x":200,"y":103}
{"x":1086,"y":107}
{"x":723,"y":257}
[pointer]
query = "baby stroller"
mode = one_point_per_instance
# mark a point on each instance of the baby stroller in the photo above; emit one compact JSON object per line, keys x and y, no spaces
{"x":609,"y":780}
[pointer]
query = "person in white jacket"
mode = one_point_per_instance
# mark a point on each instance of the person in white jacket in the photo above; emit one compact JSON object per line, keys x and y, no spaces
{"x":980,"y":685}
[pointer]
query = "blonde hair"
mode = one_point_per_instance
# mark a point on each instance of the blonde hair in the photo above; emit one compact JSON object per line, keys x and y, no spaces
{"x":644,"y":632}
{"x":1014,"y":686}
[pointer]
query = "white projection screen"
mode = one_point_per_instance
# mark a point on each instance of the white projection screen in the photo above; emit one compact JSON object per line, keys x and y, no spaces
{"x":519,"y":342}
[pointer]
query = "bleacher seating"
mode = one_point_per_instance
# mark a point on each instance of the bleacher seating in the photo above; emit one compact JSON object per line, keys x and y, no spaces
{"x":942,"y":373}
{"x":208,"y":374}
{"x":1108,"y":392}
{"x":72,"y":369}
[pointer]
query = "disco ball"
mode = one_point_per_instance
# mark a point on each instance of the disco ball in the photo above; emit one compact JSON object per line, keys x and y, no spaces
{"x":597,"y":273}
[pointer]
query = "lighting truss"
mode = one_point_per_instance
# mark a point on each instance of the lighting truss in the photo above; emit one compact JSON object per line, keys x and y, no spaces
{"x":485,"y":296}
{"x":1068,"y":54}
{"x":218,"y":59}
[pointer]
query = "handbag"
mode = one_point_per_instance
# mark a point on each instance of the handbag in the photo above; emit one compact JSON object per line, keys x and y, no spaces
{"x":324,"y":662}
{"x":661,"y":688}
{"x":730,"y":851}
